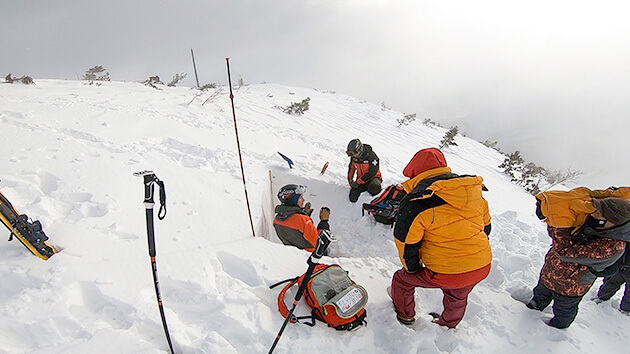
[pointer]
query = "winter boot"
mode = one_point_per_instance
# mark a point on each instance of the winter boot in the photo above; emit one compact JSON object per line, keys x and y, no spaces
{"x":532,"y":304}
{"x":436,"y":317}
{"x":405,"y":321}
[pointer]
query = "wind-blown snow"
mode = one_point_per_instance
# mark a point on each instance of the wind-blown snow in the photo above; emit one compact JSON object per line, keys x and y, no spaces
{"x":68,"y":154}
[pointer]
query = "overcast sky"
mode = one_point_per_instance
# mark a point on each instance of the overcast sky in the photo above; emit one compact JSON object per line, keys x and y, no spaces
{"x":549,"y":78}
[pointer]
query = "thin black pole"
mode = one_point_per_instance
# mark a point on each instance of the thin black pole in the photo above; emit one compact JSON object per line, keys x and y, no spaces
{"x":324,"y":239}
{"x":238,"y":145}
{"x":194,"y":66}
{"x":150,"y":179}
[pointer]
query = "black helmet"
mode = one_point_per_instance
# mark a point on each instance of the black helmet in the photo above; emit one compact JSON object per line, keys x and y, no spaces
{"x":354,"y":147}
{"x":290,"y":193}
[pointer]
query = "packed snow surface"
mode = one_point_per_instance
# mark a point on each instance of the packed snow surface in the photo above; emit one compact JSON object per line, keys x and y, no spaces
{"x":68,"y":153}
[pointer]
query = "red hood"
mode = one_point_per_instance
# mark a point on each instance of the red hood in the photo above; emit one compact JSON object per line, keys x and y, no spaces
{"x":424,"y":160}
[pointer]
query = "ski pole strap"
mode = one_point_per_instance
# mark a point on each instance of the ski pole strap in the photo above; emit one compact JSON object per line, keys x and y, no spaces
{"x":149,"y":180}
{"x":162,"y":212}
{"x":283,"y":281}
{"x":311,"y":318}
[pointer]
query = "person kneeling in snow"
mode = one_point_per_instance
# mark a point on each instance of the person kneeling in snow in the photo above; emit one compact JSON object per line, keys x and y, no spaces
{"x":293,"y":222}
{"x":365,"y":165}
{"x":441,"y":233}
{"x":586,"y":228}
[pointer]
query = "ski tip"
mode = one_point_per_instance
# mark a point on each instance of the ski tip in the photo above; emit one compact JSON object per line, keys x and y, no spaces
{"x":56,"y":249}
{"x":142,"y":173}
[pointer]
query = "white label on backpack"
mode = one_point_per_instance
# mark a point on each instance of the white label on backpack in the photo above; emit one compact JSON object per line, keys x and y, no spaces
{"x":352,"y":298}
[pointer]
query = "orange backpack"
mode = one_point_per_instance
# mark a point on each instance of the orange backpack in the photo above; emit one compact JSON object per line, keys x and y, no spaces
{"x":333,"y":297}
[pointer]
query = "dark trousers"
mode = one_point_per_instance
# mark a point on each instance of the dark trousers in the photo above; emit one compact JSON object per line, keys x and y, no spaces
{"x":403,"y":290}
{"x":565,"y":308}
{"x":373,"y":187}
{"x":612,"y":284}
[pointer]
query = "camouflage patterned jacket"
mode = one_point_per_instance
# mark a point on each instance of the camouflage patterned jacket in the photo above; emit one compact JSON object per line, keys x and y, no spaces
{"x":566,"y":265}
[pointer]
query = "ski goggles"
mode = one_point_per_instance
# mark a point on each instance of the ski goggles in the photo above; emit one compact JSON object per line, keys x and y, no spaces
{"x":353,"y":153}
{"x":298,"y":190}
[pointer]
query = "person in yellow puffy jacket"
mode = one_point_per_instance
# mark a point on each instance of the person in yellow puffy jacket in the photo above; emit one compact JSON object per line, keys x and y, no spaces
{"x":441,"y":233}
{"x":589,"y":230}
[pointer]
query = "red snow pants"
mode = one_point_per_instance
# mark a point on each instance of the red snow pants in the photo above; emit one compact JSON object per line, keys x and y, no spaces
{"x":455,"y":287}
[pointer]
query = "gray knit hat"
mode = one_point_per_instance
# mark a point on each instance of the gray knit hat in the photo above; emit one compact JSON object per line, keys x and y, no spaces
{"x":615,"y":210}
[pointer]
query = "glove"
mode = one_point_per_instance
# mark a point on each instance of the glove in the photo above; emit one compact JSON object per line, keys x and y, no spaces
{"x":324,"y":214}
{"x":307,"y":209}
{"x":354,"y":184}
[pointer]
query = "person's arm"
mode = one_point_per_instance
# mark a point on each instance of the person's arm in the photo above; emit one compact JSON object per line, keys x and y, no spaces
{"x":310,"y":233}
{"x":324,"y":215}
{"x":408,"y":234}
{"x":373,"y":170}
{"x":352,"y":169}
{"x":486,"y":219}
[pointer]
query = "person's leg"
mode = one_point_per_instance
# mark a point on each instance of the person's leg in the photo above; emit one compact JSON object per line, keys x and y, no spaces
{"x":625,"y":300}
{"x":610,"y":286}
{"x":356,"y":192}
{"x":374,"y":186}
{"x":455,"y":302}
{"x":565,"y":309}
{"x":542,"y":297}
{"x":403,"y":290}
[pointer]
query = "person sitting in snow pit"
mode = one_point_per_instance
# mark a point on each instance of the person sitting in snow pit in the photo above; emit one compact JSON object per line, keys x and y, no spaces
{"x":365,"y":165}
{"x":293,"y":222}
{"x":586,"y":229}
{"x":441,"y":233}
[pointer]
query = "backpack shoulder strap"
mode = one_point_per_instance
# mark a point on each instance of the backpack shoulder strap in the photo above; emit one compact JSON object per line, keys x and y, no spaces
{"x":282,"y":307}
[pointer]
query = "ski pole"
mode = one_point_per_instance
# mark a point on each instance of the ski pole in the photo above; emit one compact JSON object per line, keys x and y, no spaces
{"x":150,"y":180}
{"x":238,"y":145}
{"x":324,"y":239}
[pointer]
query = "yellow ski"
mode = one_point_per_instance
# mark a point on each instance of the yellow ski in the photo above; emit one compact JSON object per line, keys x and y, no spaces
{"x":30,"y":234}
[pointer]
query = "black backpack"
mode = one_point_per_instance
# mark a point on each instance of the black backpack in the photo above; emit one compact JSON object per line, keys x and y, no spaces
{"x":385,"y":206}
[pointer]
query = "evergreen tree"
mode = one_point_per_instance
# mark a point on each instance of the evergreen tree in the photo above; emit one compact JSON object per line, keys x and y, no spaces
{"x":297,"y":107}
{"x":96,"y":73}
{"x":512,"y":163}
{"x":449,"y":138}
{"x":531,"y":177}
{"x":176,"y":79}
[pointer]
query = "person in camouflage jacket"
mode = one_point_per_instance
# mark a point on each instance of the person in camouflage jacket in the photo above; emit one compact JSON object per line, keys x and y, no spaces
{"x":577,"y":250}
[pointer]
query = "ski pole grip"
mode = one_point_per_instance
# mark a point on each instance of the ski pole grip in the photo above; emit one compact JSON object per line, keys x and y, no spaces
{"x":149,"y":177}
{"x":324,"y":239}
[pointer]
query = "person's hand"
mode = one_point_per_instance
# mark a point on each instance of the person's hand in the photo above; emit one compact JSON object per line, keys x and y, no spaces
{"x":324,"y":214}
{"x":307,"y":209}
{"x":354,"y":184}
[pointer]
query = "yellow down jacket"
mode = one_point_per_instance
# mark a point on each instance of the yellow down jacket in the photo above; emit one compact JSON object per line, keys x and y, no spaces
{"x":441,"y":223}
{"x":568,"y":209}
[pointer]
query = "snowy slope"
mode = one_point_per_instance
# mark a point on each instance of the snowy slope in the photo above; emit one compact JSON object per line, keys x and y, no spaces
{"x":69,"y":151}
